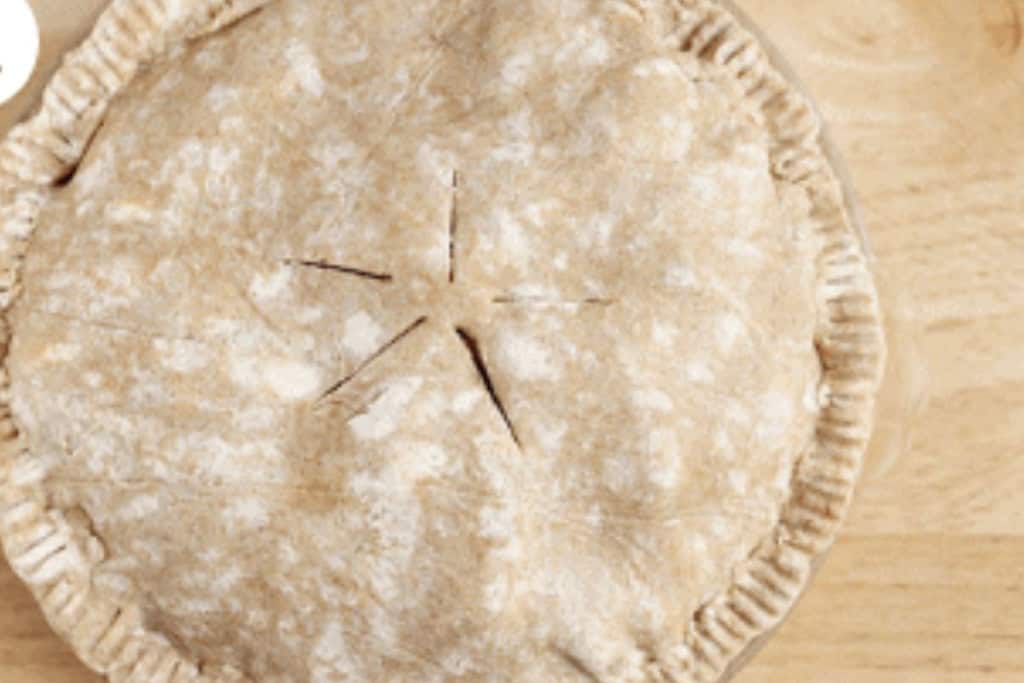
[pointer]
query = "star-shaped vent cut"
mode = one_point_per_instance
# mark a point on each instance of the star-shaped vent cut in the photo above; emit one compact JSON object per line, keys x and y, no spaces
{"x":462,"y":329}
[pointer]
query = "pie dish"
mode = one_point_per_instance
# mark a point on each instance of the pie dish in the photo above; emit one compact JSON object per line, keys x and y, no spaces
{"x":425,"y":340}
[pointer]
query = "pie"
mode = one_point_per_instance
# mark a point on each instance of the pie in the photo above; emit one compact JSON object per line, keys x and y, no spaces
{"x":425,"y":341}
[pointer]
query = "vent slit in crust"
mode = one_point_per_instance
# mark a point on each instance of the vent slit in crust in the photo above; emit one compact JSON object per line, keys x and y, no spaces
{"x":453,"y":227}
{"x":509,"y":300}
{"x":392,"y":343}
{"x":473,"y":346}
{"x":336,"y":268}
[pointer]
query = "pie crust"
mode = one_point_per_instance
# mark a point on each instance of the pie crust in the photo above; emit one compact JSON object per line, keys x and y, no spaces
{"x":602,"y":383}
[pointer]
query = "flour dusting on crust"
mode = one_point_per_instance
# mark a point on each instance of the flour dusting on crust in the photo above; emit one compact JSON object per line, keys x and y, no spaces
{"x":471,"y":342}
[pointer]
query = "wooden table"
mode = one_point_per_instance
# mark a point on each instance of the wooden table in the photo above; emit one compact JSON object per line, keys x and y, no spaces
{"x":926,"y":101}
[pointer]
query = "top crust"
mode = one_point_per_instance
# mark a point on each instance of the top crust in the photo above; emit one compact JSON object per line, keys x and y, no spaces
{"x":435,"y":340}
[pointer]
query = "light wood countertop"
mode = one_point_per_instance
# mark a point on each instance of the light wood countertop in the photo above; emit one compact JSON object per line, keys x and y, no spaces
{"x":925,"y":99}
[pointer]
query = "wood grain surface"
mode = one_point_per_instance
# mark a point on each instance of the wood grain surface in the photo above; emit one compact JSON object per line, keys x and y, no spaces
{"x":926,"y":101}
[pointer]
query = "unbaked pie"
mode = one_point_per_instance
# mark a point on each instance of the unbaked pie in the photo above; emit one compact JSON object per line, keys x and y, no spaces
{"x":425,"y":341}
